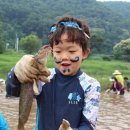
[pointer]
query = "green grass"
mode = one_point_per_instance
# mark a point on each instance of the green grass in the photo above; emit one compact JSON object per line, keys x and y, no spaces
{"x":102,"y":70}
{"x":7,"y":61}
{"x":94,"y":66}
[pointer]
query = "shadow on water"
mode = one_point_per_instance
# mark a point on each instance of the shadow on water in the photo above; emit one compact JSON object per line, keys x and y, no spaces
{"x":114,"y":113}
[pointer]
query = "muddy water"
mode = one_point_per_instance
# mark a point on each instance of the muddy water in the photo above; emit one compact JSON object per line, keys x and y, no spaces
{"x":114,"y":113}
{"x":9,"y":108}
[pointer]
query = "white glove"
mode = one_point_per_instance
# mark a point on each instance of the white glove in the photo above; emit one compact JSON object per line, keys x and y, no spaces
{"x":118,"y":92}
{"x":27,"y":69}
{"x":65,"y":125}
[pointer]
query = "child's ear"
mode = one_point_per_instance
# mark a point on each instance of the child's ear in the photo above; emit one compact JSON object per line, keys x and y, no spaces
{"x":86,"y":53}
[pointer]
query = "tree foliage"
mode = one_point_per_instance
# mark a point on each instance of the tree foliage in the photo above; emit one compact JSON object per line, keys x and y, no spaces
{"x":25,"y":17}
{"x":30,"y":43}
{"x":97,"y":40}
{"x":2,"y":47}
{"x":122,"y":50}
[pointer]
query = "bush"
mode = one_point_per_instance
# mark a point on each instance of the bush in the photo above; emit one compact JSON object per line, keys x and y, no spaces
{"x":2,"y":48}
{"x":122,"y":50}
{"x":30,"y":44}
{"x":106,"y":58}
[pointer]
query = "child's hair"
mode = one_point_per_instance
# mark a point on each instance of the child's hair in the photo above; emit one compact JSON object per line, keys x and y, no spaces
{"x":76,"y":30}
{"x":125,"y":78}
{"x":114,"y":79}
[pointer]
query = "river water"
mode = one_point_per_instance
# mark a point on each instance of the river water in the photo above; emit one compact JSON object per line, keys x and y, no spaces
{"x":114,"y":113}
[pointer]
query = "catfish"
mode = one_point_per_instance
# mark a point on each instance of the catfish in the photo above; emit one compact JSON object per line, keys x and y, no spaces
{"x":28,"y":90}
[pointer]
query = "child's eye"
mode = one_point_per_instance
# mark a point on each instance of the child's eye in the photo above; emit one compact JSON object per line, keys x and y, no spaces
{"x":57,"y":51}
{"x":72,"y":51}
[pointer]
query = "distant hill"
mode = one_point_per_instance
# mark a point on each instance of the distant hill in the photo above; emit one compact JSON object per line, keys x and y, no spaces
{"x":109,"y":21}
{"x":122,"y":8}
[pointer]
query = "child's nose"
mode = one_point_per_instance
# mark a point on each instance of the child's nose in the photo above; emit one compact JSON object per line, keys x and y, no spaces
{"x":65,"y":56}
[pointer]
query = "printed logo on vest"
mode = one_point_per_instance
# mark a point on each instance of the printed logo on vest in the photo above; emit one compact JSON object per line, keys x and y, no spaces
{"x":74,"y":98}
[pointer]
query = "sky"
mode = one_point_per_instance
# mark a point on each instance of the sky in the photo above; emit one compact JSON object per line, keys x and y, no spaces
{"x":115,"y":0}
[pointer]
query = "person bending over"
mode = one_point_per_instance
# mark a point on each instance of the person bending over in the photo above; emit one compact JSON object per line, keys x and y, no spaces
{"x":116,"y":87}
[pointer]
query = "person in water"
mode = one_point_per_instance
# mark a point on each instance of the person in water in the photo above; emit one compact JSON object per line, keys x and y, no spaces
{"x":118,"y":75}
{"x":127,"y":82}
{"x":116,"y":87}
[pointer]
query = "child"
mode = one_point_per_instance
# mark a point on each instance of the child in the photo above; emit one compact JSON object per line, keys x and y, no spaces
{"x":116,"y":87}
{"x":71,"y":94}
{"x":127,"y":83}
{"x":3,"y":123}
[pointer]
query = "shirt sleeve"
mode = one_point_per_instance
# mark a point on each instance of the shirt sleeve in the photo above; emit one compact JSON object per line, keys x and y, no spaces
{"x":3,"y":123}
{"x":12,"y":84}
{"x":91,"y":101}
{"x":92,"y":90}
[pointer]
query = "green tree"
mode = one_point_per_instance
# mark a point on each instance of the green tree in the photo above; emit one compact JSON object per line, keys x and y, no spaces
{"x":30,"y":43}
{"x":97,"y":40}
{"x":122,"y":50}
{"x":2,"y":47}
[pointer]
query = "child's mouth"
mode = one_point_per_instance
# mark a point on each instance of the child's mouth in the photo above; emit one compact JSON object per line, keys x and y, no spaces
{"x":65,"y":65}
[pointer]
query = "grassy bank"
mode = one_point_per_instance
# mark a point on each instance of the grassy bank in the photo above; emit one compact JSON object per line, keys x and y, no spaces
{"x":95,"y":66}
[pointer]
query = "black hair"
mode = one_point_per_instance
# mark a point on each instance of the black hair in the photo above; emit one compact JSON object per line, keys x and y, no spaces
{"x":74,"y":34}
{"x":125,"y":78}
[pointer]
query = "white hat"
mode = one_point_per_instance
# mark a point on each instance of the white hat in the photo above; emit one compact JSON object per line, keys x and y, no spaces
{"x":116,"y":72}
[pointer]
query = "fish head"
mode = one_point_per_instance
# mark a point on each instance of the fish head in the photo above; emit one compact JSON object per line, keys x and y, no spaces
{"x":43,"y":54}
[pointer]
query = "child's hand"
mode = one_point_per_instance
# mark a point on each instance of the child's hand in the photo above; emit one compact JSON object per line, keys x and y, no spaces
{"x":65,"y":125}
{"x":25,"y":70}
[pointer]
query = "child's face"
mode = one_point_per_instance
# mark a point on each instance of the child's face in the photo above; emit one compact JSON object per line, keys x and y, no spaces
{"x":68,"y":56}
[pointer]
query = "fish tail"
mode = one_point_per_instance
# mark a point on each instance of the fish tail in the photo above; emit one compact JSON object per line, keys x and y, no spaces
{"x":20,"y":126}
{"x":25,"y":104}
